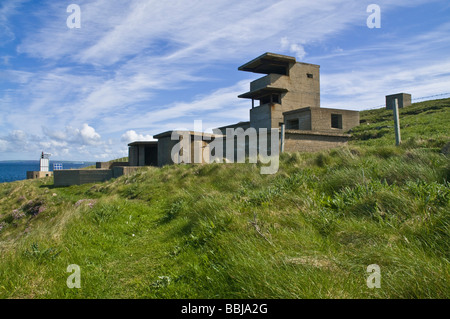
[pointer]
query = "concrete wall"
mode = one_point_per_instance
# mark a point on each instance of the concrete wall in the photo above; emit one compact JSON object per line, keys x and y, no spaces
{"x":261,"y":116}
{"x":124,"y":170}
{"x":320,"y":119}
{"x":141,"y":157}
{"x":404,"y":100}
{"x":38,"y":174}
{"x":270,"y":80}
{"x":300,"y":120}
{"x":109,"y":165}
{"x":133,"y":158}
{"x":77,"y":177}
{"x":102,"y":165}
{"x":304,"y":141}
{"x":166,"y":144}
{"x":116,"y":164}
{"x":302,"y":90}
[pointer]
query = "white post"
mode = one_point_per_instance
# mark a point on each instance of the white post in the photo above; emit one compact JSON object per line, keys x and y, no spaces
{"x":282,"y":138}
{"x":398,"y":138}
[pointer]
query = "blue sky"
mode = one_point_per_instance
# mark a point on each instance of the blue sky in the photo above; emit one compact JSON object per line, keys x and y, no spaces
{"x":136,"y":68}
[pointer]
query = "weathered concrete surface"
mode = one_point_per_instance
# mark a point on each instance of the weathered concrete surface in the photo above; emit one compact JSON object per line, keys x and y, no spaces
{"x":320,"y":119}
{"x":307,"y":141}
{"x":143,"y":153}
{"x":78,"y":176}
{"x":109,"y":165}
{"x":198,"y":146}
{"x":288,"y":85}
{"x":38,"y":174}
{"x":124,"y":170}
{"x":243,"y":125}
{"x":404,"y":100}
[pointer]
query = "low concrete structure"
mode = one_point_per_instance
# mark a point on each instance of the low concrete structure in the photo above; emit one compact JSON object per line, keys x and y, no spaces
{"x":404,"y":100}
{"x":309,"y":141}
{"x":124,"y":170}
{"x":321,"y":120}
{"x":68,"y":177}
{"x":143,"y":153}
{"x":38,"y":174}
{"x":109,"y":165}
{"x":196,"y":147}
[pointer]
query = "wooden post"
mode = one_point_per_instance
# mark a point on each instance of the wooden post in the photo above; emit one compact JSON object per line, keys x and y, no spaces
{"x":398,"y":138}
{"x":282,"y":138}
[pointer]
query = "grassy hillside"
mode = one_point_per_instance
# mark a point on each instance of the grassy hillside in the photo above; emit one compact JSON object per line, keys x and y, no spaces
{"x":226,"y":231}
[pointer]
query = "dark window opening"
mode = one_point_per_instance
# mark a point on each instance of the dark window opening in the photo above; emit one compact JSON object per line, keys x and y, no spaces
{"x":273,"y":98}
{"x":276,"y":98}
{"x":292,"y":124}
{"x":309,"y":75}
{"x":336,"y":121}
{"x":264,"y":100}
{"x":281,"y":71}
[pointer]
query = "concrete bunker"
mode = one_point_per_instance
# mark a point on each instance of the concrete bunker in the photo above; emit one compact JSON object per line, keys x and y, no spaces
{"x":288,"y":94}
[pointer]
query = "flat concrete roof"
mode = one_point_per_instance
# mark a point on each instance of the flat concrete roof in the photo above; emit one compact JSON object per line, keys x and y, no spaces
{"x":317,"y":133}
{"x":320,"y":108}
{"x":192,"y":133}
{"x":261,"y":92}
{"x":235,"y":125}
{"x":268,"y":63}
{"x":297,"y":110}
{"x":396,"y":94}
{"x":137,"y":143}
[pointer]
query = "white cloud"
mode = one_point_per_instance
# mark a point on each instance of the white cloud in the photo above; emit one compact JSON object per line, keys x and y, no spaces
{"x":222,"y":103}
{"x":89,"y":135}
{"x":132,"y":136}
{"x":84,"y":136}
{"x":297,"y":49}
{"x":7,"y":9}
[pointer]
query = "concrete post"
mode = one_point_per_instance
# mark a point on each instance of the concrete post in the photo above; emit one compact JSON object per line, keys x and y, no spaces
{"x":282,"y":138}
{"x":398,"y":138}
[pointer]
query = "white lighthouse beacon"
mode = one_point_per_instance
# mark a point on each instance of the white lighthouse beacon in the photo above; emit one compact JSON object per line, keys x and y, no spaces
{"x":44,"y":162}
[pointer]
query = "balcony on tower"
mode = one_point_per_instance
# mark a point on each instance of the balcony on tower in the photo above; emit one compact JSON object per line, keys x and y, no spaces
{"x":288,"y":85}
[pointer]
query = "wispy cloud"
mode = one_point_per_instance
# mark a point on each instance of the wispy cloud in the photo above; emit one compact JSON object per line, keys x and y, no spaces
{"x":8,"y":8}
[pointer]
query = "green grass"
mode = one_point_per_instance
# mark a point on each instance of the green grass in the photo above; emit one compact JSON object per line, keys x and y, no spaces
{"x":226,"y":231}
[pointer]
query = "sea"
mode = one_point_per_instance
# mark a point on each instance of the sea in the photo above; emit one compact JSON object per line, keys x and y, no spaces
{"x":11,"y":171}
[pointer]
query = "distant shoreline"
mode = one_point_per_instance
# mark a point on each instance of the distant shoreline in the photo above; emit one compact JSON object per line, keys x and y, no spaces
{"x":51,"y":161}
{"x":12,"y":171}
